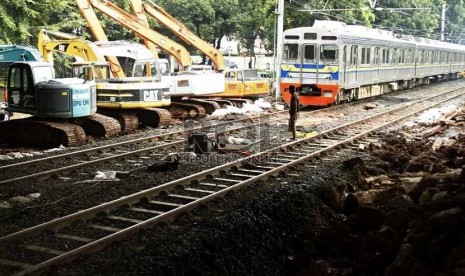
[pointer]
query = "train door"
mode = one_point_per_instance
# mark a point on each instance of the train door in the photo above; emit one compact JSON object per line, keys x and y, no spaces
{"x":344,"y":64}
{"x":376,"y":65}
{"x":309,"y":61}
{"x":353,"y":71}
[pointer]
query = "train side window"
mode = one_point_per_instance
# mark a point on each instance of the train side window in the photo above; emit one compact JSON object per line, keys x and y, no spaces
{"x":365,"y":55}
{"x":401,"y":56}
{"x":309,"y":52}
{"x":353,"y":55}
{"x":409,"y":56}
{"x":385,"y":56}
{"x":291,"y":51}
{"x":376,"y":56}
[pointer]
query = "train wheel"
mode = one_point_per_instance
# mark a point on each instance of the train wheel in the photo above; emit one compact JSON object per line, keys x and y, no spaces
{"x":338,"y":100}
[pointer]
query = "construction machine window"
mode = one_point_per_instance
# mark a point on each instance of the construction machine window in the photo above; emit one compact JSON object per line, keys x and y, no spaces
{"x":14,"y":87}
{"x":102,"y":72}
{"x":127,"y":64}
{"x":15,"y":78}
{"x":139,"y":70}
{"x":240,"y":76}
{"x":291,"y":52}
{"x":27,"y":93}
{"x":154,"y":69}
{"x":40,"y":74}
{"x":229,"y":75}
{"x":164,"y":69}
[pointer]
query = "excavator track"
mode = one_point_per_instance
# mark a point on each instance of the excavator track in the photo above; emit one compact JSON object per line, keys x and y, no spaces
{"x":154,"y":117}
{"x":128,"y":120}
{"x":99,"y":125}
{"x":209,"y":106}
{"x":222,"y":103}
{"x":239,"y":102}
{"x":41,"y":134}
{"x":186,"y":111}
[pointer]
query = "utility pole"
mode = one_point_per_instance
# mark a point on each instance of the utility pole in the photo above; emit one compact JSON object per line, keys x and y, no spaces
{"x":279,"y":49}
{"x":443,"y":20}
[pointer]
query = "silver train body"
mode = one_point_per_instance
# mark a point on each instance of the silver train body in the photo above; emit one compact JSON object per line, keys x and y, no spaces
{"x":332,"y":62}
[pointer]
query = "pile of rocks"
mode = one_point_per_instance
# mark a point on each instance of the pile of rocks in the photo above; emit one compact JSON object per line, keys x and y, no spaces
{"x":404,"y":211}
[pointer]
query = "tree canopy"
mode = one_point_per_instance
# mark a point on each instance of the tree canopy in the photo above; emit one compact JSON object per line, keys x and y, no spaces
{"x":244,"y":20}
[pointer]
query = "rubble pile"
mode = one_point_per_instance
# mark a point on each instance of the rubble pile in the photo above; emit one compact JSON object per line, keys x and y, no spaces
{"x":404,"y":207}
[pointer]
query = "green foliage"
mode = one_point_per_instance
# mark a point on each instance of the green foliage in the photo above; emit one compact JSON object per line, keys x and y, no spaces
{"x":245,"y":20}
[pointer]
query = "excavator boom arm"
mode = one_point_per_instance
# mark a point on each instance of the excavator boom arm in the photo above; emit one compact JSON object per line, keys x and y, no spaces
{"x":132,"y":23}
{"x":139,"y":12}
{"x":182,"y":31}
{"x":71,"y":45}
{"x":93,"y":23}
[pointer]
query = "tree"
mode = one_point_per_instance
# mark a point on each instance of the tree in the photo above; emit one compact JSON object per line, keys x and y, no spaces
{"x":421,"y":22}
{"x":455,"y":20}
{"x":20,"y":19}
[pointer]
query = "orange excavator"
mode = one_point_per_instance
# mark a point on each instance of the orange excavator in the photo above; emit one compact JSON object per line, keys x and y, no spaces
{"x":238,"y":83}
{"x":86,"y":7}
{"x":140,"y":9}
{"x":181,"y":86}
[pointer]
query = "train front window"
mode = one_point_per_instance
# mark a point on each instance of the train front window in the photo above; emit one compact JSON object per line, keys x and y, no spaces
{"x":328,"y":52}
{"x":309,"y":52}
{"x":291,"y":52}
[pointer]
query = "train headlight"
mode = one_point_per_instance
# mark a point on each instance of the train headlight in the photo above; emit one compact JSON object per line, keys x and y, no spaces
{"x":327,"y":93}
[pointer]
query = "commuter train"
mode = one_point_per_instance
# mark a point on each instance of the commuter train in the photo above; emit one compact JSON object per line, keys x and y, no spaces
{"x":332,"y":62}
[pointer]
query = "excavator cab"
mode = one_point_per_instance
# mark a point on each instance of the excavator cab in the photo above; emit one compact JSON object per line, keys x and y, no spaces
{"x":32,"y":89}
{"x":98,"y":71}
{"x":148,"y":68}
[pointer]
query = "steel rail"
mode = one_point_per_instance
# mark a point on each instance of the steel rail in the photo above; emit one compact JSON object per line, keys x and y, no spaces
{"x":128,"y":142}
{"x":362,"y":128}
{"x":65,"y":169}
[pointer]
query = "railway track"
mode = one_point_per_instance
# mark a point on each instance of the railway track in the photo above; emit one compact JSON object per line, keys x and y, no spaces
{"x":44,"y":168}
{"x":34,"y":250}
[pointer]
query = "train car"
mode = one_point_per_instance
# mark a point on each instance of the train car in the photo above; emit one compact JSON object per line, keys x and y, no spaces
{"x":332,"y":62}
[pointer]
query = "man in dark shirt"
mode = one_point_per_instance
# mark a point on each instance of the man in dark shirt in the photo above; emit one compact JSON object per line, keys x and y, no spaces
{"x":293,"y":110}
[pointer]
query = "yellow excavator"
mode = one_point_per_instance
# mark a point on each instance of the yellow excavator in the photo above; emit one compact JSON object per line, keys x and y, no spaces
{"x":133,"y":99}
{"x":238,"y":82}
{"x":181,"y":86}
{"x":86,"y":7}
{"x":140,"y":9}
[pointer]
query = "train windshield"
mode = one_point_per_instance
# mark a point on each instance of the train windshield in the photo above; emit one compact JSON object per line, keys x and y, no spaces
{"x":291,"y":52}
{"x":328,"y":52}
{"x":309,"y":53}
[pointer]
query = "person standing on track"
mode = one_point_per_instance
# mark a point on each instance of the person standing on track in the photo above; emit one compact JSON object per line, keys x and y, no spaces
{"x":293,"y":110}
